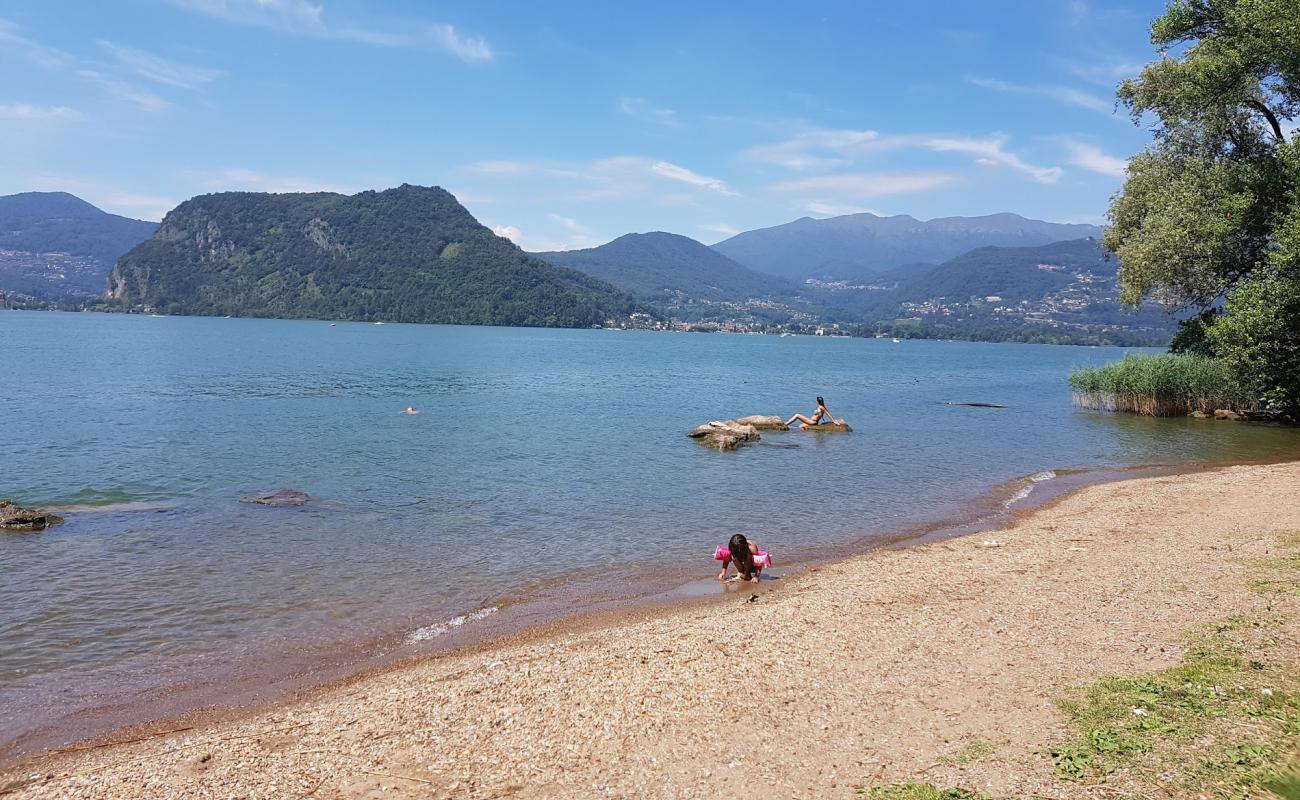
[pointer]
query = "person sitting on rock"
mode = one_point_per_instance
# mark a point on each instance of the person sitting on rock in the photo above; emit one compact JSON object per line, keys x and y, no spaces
{"x":820,"y":417}
{"x":747,"y":557}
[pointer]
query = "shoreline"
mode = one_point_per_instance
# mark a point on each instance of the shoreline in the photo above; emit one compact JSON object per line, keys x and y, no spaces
{"x":574,"y":601}
{"x":650,"y":626}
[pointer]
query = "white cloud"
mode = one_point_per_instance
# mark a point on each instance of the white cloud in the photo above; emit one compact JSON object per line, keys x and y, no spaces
{"x":24,"y":111}
{"x":110,"y":197}
{"x":567,"y":222}
{"x":46,"y":57}
{"x":142,"y":99}
{"x":837,"y":209}
{"x":990,"y":152}
{"x":159,"y":69}
{"x":1092,"y":158}
{"x":799,"y":152}
{"x":674,"y":172}
{"x":720,"y":227}
{"x":615,"y":176}
{"x":867,"y":184}
{"x":239,"y":179}
{"x":302,"y":18}
{"x":508,"y":232}
{"x":1060,"y":94}
{"x":55,"y":60}
{"x":1107,"y":73}
{"x":827,"y":148}
{"x":639,"y":108}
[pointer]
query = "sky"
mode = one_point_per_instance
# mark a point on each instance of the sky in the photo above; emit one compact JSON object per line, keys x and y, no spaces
{"x":564,"y":125}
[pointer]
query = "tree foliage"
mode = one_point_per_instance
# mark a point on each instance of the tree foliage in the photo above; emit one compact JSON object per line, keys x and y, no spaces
{"x":1210,"y":212}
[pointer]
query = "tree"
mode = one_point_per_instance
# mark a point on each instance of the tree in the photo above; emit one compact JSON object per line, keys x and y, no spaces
{"x":1212,"y":208}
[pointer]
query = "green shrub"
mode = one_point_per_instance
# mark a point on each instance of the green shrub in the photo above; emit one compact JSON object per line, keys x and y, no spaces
{"x":1161,"y":385}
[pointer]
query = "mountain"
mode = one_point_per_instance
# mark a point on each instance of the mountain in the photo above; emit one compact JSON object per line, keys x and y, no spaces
{"x":55,"y":246}
{"x":410,"y":254}
{"x":1064,"y":291}
{"x":671,"y":271}
{"x":859,"y":246}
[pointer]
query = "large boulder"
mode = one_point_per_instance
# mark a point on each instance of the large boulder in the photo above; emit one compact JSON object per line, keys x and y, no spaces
{"x":764,"y":423}
{"x":828,"y":427}
{"x":725,"y":434}
{"x":279,"y":497}
{"x":14,"y":517}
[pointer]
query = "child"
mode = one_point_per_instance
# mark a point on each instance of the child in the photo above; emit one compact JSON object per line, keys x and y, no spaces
{"x":747,"y":557}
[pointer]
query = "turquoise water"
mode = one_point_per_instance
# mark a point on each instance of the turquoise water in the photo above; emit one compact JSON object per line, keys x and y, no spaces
{"x":539,"y":454}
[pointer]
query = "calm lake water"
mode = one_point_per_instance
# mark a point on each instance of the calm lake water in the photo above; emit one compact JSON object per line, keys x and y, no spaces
{"x":540,"y":455}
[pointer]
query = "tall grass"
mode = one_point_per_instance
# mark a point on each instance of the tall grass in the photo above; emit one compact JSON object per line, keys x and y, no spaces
{"x":1161,"y":386}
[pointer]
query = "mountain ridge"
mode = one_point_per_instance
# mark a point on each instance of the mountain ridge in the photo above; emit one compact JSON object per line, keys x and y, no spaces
{"x":858,"y":246}
{"x":408,"y":254}
{"x":55,"y":246}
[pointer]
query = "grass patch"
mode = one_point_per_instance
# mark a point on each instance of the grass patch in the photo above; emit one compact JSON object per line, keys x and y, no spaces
{"x":1281,"y":573}
{"x":969,"y":754}
{"x":918,"y":791}
{"x":1224,"y":723}
{"x":1161,"y":386}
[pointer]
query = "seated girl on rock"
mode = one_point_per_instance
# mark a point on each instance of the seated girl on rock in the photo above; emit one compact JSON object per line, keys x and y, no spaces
{"x":747,"y":557}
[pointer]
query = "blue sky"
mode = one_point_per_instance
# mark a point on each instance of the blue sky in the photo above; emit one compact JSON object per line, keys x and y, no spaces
{"x":566,"y":124}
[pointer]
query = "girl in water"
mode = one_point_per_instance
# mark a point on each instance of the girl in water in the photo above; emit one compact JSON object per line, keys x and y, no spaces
{"x":747,"y":557}
{"x":820,"y":417}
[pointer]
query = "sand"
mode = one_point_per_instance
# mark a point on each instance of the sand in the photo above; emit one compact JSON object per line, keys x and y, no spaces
{"x":875,"y":669}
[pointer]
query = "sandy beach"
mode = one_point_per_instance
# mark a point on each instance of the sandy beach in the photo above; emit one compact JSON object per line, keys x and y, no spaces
{"x":940,"y":663}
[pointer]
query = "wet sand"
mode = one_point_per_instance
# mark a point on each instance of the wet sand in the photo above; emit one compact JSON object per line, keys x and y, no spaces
{"x":872,"y":669}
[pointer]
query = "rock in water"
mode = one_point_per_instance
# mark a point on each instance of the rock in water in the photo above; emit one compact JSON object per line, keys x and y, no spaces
{"x":724,"y":435}
{"x":764,"y":423}
{"x":830,"y":427}
{"x":16,"y":518}
{"x":279,"y":497}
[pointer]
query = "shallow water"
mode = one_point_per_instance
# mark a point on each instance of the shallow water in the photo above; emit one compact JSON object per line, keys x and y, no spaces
{"x":538,"y":454}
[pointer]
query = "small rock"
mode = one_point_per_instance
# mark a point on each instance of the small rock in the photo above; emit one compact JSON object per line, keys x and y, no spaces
{"x":725,"y":434}
{"x":764,"y":422}
{"x":279,"y":497}
{"x":828,"y":427}
{"x":14,"y":517}
{"x":1223,"y":413}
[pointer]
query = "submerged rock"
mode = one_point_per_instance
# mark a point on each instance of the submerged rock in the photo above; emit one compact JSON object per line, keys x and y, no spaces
{"x":725,"y":434}
{"x":764,"y":422}
{"x":829,"y":427}
{"x":279,"y":497}
{"x":14,"y":517}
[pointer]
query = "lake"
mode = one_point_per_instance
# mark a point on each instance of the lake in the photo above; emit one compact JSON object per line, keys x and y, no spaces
{"x":543,"y":463}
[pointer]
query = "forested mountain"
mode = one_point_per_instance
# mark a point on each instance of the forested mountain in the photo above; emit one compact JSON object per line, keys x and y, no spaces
{"x":410,"y":254}
{"x":860,"y":246}
{"x":55,"y":246}
{"x":1064,"y":291}
{"x":661,"y":266}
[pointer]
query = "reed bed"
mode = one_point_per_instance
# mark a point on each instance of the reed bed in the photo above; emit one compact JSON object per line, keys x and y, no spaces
{"x":1161,"y":386}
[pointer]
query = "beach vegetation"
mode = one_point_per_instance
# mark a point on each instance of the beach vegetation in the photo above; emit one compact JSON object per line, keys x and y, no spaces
{"x":1223,"y":723}
{"x":977,"y":750}
{"x":1208,"y":219}
{"x":1162,"y":385}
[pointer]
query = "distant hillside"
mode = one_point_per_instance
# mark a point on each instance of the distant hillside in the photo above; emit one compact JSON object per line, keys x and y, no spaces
{"x":411,"y":254}
{"x":680,"y":275}
{"x":55,"y":246}
{"x":859,"y":246}
{"x":1064,"y":291}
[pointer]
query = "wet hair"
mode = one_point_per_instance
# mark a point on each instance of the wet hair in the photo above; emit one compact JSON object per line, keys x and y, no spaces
{"x":820,"y":401}
{"x":740,"y":555}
